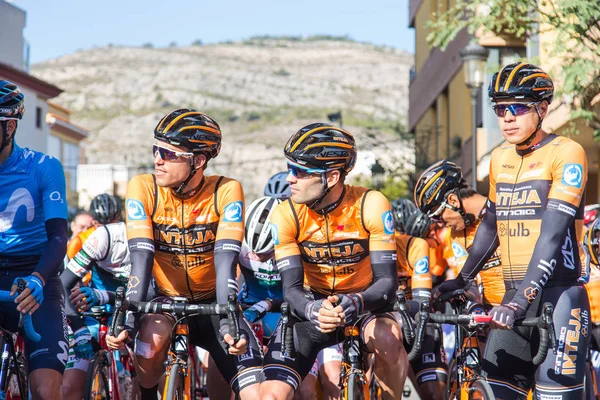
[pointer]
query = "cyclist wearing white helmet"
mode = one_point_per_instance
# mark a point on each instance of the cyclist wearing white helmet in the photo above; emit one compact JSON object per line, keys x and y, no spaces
{"x":278,"y":187}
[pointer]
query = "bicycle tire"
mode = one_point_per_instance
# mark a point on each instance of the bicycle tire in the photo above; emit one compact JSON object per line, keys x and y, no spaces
{"x":96,"y":380}
{"x":354,"y":389}
{"x":481,"y":390}
{"x":174,"y":385}
{"x":452,"y":388}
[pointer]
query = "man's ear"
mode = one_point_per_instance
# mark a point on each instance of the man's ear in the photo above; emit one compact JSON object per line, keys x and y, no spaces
{"x":453,"y":200}
{"x":333,"y":177}
{"x":12,"y":127}
{"x":200,"y":161}
{"x":543,"y":108}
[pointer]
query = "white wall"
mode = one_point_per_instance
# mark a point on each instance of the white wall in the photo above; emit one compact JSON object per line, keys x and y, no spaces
{"x":95,"y":179}
{"x":28,"y":135}
{"x":12,"y":23}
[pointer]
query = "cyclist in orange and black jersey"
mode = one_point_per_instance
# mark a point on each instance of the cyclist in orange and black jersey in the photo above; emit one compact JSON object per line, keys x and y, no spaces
{"x":534,"y":212}
{"x":185,"y":231}
{"x":415,"y":279}
{"x":335,"y":251}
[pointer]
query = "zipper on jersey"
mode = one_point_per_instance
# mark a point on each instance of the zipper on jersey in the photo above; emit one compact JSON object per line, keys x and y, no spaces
{"x":187,"y":276}
{"x":332,"y":261}
{"x":508,"y":218}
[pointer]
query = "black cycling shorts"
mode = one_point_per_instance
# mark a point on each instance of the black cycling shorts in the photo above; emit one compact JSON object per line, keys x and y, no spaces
{"x":241,"y":371}
{"x":431,"y":364}
{"x":308,"y":342}
{"x":509,"y":353}
{"x":50,"y":321}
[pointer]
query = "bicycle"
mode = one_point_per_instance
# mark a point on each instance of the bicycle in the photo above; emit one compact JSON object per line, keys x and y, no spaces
{"x":14,"y":383}
{"x":354,"y":383}
{"x":465,"y":375}
{"x":179,"y":384}
{"x":102,"y":379}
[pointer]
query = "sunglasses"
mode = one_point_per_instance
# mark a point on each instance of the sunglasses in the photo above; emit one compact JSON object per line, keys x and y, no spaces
{"x":302,"y":172}
{"x":168,"y":155}
{"x":436,"y":216}
{"x":515,"y":109}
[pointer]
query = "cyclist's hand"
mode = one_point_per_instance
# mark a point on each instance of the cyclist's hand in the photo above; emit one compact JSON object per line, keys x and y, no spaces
{"x":257,"y":311}
{"x":351,"y":306}
{"x":449,"y":286}
{"x":234,"y":348}
{"x":117,"y":343}
{"x":32,"y":297}
{"x":504,"y":316}
{"x":85,"y":297}
{"x":83,"y":343}
{"x":321,"y":315}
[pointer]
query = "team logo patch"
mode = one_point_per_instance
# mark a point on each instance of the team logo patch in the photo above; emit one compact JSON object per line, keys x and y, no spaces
{"x":572,"y":175}
{"x":275,"y":234}
{"x":388,"y":222}
{"x":458,"y":250}
{"x":422,"y":265}
{"x":135,"y":210}
{"x":233,"y":212}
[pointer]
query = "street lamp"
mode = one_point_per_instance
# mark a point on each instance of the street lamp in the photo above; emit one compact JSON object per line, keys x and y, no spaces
{"x":474,"y":58}
{"x":377,"y":175}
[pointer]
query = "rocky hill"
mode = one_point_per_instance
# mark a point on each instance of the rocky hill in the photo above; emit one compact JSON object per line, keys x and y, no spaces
{"x":260,"y":91}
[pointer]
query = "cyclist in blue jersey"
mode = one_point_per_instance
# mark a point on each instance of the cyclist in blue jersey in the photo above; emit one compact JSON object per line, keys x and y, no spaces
{"x":33,"y":241}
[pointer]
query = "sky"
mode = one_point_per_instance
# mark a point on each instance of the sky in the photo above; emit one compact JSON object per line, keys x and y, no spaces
{"x":59,"y":27}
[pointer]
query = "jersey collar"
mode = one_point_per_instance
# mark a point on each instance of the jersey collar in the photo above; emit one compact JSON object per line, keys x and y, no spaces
{"x":529,"y":150}
{"x":334,"y":205}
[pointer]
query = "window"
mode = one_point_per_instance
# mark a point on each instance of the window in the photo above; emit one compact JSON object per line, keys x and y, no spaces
{"x":38,"y":117}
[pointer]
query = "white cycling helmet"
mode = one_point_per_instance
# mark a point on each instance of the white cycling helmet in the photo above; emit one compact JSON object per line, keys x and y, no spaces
{"x":277,"y":186}
{"x":258,"y":237}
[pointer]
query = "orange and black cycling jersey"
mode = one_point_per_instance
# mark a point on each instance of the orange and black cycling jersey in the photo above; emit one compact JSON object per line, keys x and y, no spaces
{"x":413,"y":265}
{"x":535,"y":213}
{"x":457,"y":245}
{"x":77,"y":242}
{"x":349,"y":248}
{"x":183,"y":238}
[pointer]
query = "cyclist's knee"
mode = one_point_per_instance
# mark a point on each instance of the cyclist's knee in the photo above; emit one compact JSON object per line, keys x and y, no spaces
{"x":307,"y":389}
{"x":387,"y":345}
{"x":432,"y":390}
{"x":329,"y":376}
{"x":275,"y":390}
{"x":45,"y":384}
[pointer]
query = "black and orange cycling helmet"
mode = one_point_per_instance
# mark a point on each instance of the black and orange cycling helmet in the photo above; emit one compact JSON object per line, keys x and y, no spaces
{"x":521,"y":81}
{"x":322,"y":147}
{"x":435,"y":183}
{"x":591,"y":241}
{"x":191,"y":129}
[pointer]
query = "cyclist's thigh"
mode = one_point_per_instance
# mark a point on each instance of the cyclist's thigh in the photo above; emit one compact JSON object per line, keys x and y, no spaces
{"x":507,"y":358}
{"x":50,"y":322}
{"x":241,"y":371}
{"x":562,"y":374}
{"x":430,"y":365}
{"x":308,"y":342}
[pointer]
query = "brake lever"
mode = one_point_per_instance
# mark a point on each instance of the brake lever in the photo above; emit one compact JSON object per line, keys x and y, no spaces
{"x":20,"y":287}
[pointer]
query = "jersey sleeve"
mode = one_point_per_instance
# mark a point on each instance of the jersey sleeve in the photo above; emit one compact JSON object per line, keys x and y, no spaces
{"x":418,"y":259}
{"x":139,"y":205}
{"x":53,"y":188}
{"x":378,"y":221}
{"x":569,"y":176}
{"x":230,"y":204}
{"x":230,"y":233}
{"x":73,"y":247}
{"x":284,"y":231}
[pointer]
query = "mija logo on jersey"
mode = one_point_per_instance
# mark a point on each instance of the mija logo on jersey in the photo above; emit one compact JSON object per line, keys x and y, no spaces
{"x":190,"y":238}
{"x":343,"y":250}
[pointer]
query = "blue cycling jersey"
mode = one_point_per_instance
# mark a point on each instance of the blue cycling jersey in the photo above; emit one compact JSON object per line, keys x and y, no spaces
{"x":262,"y":280}
{"x":33,"y":191}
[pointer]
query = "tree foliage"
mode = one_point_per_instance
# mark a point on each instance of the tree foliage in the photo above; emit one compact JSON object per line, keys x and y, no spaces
{"x":575,"y":24}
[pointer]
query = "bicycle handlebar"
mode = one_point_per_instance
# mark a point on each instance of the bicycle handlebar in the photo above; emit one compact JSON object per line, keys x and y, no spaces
{"x":181,"y":310}
{"x":287,"y":335}
{"x":544,"y":323}
{"x":25,"y":320}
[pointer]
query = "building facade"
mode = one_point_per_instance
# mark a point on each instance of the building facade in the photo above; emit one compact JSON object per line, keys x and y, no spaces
{"x":440,"y":102}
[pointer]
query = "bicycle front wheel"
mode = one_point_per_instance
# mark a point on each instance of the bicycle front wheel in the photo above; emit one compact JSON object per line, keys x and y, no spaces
{"x":354,"y":389}
{"x":481,"y":390}
{"x":174,"y":384}
{"x":96,"y":382}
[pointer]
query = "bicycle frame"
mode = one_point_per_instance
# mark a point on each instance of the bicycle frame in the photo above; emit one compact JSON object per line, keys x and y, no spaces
{"x":9,"y":361}
{"x":352,"y":360}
